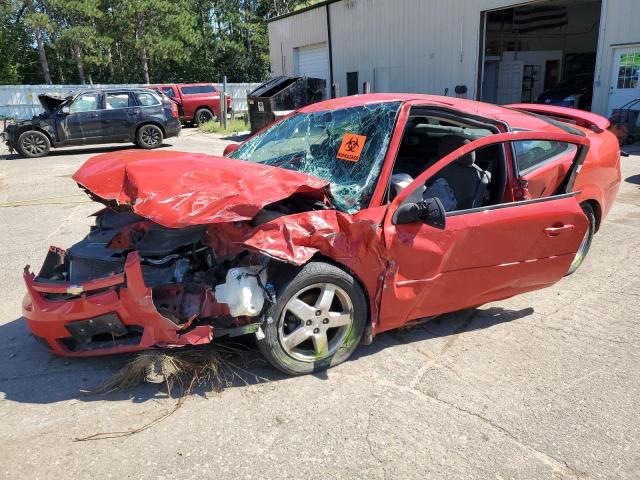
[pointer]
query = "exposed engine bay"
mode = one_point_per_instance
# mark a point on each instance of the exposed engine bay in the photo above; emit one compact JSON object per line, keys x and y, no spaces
{"x":190,"y":284}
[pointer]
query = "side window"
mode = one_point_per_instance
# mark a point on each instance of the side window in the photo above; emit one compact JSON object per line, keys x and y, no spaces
{"x":531,"y":154}
{"x":86,"y":102}
{"x":168,"y":91}
{"x":193,"y":90}
{"x":147,"y":99}
{"x":116,"y":100}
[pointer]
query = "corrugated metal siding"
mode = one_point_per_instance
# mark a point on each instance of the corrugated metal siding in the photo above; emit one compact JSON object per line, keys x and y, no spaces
{"x":307,"y":28}
{"x":21,"y":101}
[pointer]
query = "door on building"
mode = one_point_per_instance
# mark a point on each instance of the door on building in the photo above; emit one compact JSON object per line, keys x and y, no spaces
{"x":625,"y":85}
{"x":510,"y":82}
{"x":312,"y":61}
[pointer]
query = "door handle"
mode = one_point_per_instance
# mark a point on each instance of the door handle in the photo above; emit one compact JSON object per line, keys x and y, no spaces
{"x":554,"y":231}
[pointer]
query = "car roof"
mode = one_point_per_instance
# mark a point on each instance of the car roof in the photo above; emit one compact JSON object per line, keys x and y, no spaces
{"x":513,"y":118}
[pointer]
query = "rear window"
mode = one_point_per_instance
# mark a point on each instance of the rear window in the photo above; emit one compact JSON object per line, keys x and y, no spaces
{"x":147,"y":99}
{"x":195,"y":89}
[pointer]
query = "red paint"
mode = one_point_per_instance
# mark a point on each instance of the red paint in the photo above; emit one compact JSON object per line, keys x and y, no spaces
{"x":192,"y":102}
{"x":408,"y":271}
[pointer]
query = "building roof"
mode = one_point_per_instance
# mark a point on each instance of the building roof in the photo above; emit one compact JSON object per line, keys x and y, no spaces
{"x":302,"y":10}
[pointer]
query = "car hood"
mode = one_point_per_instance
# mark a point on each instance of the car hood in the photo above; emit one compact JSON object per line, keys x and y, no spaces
{"x":51,"y":101}
{"x":178,"y":189}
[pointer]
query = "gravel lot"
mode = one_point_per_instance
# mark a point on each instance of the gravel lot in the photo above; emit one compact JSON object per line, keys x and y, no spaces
{"x":544,"y":385}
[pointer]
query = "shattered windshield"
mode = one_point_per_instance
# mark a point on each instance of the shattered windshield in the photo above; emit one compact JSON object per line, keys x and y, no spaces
{"x":345,"y":147}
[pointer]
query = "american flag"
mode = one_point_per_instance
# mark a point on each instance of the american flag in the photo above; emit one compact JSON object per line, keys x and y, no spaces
{"x":531,"y":19}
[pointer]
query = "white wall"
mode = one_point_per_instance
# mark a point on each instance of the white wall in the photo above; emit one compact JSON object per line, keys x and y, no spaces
{"x":424,"y":45}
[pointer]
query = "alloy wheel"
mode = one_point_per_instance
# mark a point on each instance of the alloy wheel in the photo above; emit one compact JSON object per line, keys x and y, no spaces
{"x":204,"y":117}
{"x":315,"y":322}
{"x":150,"y":136}
{"x":34,"y":144}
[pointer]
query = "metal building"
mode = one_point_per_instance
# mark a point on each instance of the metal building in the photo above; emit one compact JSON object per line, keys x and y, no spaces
{"x":501,"y":51}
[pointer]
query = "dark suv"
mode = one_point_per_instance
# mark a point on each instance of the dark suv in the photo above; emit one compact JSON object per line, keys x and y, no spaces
{"x":136,"y":115}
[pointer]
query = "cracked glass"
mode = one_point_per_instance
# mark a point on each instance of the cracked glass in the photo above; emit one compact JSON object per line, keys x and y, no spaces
{"x":345,"y":147}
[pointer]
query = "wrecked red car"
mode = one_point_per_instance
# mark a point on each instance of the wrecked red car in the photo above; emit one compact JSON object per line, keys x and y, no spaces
{"x":345,"y":219}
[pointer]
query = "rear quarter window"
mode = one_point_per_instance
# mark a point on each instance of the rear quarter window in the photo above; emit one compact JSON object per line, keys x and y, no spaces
{"x":147,"y":99}
{"x":531,"y":154}
{"x":193,"y":90}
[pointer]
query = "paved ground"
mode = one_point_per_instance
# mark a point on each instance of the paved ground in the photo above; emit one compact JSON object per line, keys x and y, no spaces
{"x":545,"y":385}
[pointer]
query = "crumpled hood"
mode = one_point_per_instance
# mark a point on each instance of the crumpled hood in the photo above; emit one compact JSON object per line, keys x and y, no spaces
{"x":51,"y":101}
{"x":179,"y":189}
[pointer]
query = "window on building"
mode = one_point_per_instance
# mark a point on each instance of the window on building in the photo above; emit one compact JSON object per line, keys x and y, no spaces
{"x":629,"y":70}
{"x":352,"y":83}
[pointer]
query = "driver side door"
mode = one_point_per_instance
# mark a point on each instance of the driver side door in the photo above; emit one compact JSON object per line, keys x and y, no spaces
{"x":83,"y":121}
{"x":482,"y":254}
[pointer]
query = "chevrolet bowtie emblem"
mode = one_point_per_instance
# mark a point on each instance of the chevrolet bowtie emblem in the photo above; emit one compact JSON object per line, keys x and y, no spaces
{"x":74,"y":290}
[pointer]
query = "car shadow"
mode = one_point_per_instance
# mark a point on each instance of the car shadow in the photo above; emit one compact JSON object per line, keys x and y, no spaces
{"x":30,"y":374}
{"x":635,"y":179}
{"x":80,"y":151}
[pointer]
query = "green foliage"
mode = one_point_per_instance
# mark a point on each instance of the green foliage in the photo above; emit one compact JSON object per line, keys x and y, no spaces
{"x":233,"y":126}
{"x":117,"y":41}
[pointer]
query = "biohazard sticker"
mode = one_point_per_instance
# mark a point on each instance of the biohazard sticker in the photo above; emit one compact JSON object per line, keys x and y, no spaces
{"x":351,"y":147}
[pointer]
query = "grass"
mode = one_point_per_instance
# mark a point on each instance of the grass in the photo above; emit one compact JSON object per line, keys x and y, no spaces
{"x":233,"y":126}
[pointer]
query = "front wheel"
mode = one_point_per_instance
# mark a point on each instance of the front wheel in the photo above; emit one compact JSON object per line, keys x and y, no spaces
{"x":33,"y":144}
{"x":149,"y":136}
{"x":316,"y":322}
{"x":586,"y":240}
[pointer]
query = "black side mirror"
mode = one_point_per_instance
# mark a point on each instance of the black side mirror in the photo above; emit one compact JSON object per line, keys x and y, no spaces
{"x":430,"y":211}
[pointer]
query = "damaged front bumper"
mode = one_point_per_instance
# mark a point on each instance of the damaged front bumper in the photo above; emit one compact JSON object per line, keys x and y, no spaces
{"x":109,"y":315}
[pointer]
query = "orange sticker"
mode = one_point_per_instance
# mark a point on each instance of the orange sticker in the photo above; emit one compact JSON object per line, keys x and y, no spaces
{"x":351,"y":147}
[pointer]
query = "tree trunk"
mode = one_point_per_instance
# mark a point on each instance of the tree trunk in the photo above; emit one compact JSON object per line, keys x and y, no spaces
{"x":112,"y":73}
{"x":143,"y":49}
{"x":78,"y":54}
{"x":43,"y":57}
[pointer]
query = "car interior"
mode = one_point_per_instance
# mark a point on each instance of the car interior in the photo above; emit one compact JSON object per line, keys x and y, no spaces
{"x":474,"y":180}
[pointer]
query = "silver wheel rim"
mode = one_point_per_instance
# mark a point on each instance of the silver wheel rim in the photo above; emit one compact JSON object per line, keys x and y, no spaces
{"x":315,"y":322}
{"x":150,"y":136}
{"x":34,"y":144}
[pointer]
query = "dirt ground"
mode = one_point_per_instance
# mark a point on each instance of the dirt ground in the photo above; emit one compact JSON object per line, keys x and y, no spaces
{"x":544,"y":385}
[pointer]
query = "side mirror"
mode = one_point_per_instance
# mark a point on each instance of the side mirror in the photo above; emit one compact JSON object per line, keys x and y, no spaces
{"x":65,"y":110}
{"x":430,"y":211}
{"x":229,"y":149}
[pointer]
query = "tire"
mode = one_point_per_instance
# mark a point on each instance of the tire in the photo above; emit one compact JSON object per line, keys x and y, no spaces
{"x":149,"y":137}
{"x":203,"y":115}
{"x":318,"y":337}
{"x":586,"y":241}
{"x":33,"y":144}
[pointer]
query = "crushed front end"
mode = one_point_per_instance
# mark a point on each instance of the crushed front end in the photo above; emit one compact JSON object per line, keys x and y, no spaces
{"x":132,"y":284}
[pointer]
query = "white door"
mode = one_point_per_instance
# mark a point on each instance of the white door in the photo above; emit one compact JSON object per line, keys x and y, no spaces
{"x":510,"y":82}
{"x":312,"y":61}
{"x":624,"y":77}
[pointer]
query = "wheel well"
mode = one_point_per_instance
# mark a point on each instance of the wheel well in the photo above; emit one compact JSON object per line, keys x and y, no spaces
{"x":206,"y":107}
{"x":37,"y":129}
{"x":597,"y":211}
{"x":164,"y":133}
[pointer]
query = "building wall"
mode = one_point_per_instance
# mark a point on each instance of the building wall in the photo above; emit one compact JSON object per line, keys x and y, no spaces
{"x":423,"y":46}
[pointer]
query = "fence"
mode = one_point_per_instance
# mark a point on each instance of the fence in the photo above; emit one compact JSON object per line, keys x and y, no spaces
{"x":21,"y":101}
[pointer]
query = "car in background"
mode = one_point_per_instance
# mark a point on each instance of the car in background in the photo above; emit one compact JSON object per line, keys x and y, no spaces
{"x":92,"y":117}
{"x":574,"y":92}
{"x":198,"y":102}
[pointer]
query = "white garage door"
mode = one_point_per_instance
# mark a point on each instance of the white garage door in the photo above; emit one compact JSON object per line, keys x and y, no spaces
{"x":313,"y":61}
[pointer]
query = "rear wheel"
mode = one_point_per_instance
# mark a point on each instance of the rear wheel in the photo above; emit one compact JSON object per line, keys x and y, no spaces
{"x":317,"y":321}
{"x":149,"y":136}
{"x":586,"y":240}
{"x":33,"y":144}
{"x":203,"y":115}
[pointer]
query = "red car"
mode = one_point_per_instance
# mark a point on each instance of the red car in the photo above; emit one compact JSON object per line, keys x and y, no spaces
{"x":347,"y":218}
{"x":198,"y":102}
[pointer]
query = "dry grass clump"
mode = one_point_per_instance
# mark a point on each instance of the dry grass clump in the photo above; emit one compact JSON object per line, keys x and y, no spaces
{"x":182,"y":371}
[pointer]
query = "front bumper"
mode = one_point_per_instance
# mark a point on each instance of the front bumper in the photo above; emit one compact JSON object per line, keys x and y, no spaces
{"x":109,"y":315}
